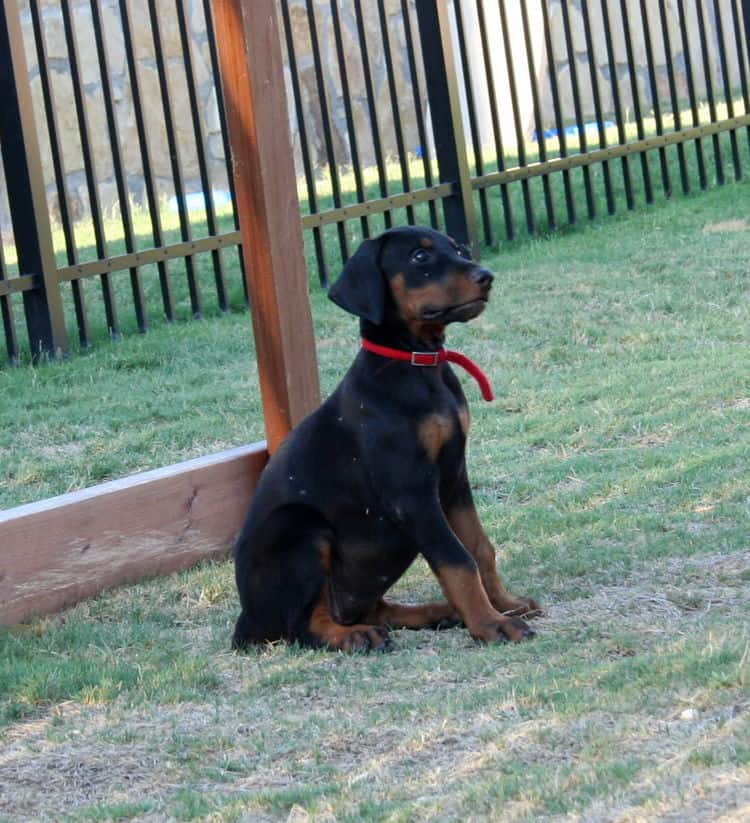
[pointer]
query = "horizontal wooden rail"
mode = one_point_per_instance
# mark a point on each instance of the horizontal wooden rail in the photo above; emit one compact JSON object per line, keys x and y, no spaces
{"x":573,"y":161}
{"x":173,"y":251}
{"x":61,"y":550}
{"x":26,"y":282}
{"x":395,"y":201}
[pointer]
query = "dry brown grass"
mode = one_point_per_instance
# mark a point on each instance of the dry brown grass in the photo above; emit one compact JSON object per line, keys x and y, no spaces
{"x":421,"y":728}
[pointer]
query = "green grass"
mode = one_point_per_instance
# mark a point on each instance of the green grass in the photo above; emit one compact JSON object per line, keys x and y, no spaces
{"x":611,"y":471}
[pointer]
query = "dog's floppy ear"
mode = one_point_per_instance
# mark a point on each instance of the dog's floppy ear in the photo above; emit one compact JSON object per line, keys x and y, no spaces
{"x":361,"y":289}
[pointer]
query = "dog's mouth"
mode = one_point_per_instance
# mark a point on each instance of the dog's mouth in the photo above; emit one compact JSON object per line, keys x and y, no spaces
{"x":460,"y":312}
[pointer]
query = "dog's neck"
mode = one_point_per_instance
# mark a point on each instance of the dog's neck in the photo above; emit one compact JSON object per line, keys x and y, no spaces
{"x":428,"y":337}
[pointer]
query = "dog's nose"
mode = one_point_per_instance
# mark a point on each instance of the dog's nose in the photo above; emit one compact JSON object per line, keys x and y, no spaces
{"x":482,"y":277}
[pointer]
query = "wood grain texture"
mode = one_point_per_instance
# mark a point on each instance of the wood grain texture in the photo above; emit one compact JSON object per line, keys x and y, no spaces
{"x":252,"y":76}
{"x":61,"y":550}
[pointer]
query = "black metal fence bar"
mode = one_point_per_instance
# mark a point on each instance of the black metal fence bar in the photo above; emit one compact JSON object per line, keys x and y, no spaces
{"x":348,"y":113}
{"x":375,"y":134}
{"x":174,"y":156}
{"x":403,"y":159}
{"x":497,"y":137}
{"x":549,"y":203}
{"x":333,"y":166}
{"x":200,"y":144}
{"x":312,"y":199}
{"x":63,"y":199}
{"x":471,"y":111}
{"x":435,"y":35}
{"x":619,"y":116}
{"x":598,"y":111}
{"x":637,"y":110}
{"x":92,"y":189}
{"x":45,"y":320}
{"x":580,"y":120}
{"x":518,"y":127}
{"x":149,"y":184}
{"x":727,"y":86}
{"x":707,"y":71}
{"x":684,"y":176}
{"x":702,"y":178}
{"x":655,"y":102}
{"x":559,"y":128}
{"x":742,"y":53}
{"x":117,"y":163}
{"x":418,"y":113}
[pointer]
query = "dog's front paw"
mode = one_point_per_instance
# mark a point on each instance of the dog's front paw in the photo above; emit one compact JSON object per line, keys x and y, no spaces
{"x":502,"y":629}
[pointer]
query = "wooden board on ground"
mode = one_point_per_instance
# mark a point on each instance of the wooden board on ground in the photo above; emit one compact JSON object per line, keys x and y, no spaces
{"x":59,"y":551}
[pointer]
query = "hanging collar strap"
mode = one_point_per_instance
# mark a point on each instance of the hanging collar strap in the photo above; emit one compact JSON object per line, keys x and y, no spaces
{"x":434,"y":358}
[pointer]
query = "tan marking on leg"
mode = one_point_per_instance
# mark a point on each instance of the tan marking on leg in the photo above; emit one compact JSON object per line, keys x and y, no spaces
{"x":464,"y":418}
{"x":325,"y":556}
{"x":463,"y":588}
{"x":433,"y":432}
{"x":466,"y":526}
{"x":397,"y":616}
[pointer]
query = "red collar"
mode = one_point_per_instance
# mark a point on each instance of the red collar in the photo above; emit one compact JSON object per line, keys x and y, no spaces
{"x":434,"y":358}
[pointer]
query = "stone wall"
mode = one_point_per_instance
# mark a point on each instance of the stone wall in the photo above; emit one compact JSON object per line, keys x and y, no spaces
{"x":558,"y":61}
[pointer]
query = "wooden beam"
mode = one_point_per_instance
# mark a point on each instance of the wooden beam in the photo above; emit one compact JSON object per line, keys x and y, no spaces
{"x":61,"y":550}
{"x":252,"y":76}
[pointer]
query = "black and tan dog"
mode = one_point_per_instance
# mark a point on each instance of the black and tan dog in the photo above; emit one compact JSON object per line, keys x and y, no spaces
{"x":377,"y":475}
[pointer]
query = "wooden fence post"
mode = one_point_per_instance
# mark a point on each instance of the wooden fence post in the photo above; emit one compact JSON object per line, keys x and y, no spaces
{"x":440,"y":68}
{"x":252,"y":76}
{"x":24,"y":178}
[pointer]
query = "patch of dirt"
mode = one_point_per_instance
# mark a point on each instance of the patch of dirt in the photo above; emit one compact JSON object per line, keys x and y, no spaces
{"x":661,"y":594}
{"x":740,"y":404}
{"x":726,"y":226}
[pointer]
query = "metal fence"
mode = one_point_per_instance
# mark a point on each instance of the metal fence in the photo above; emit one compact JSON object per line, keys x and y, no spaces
{"x":492,"y":118}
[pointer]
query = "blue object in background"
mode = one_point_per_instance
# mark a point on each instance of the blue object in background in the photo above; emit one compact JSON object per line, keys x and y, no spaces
{"x":196,"y":200}
{"x":573,"y":131}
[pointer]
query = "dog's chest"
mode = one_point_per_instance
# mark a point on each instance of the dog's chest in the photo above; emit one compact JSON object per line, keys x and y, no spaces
{"x":442,"y":434}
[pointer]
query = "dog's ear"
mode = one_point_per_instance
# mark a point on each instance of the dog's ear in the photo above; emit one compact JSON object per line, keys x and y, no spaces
{"x":361,"y":289}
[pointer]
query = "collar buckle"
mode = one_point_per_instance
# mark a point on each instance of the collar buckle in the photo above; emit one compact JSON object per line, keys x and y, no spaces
{"x":425,"y":358}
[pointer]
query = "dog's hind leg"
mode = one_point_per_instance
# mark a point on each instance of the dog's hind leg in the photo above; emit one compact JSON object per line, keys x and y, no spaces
{"x":323,"y":631}
{"x":281,"y":566}
{"x":427,"y":616}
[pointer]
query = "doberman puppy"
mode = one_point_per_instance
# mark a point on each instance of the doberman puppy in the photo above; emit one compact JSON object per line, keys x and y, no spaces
{"x":377,"y":474}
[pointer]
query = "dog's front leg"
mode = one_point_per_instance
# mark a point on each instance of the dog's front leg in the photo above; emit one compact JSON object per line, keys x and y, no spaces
{"x":464,"y":521}
{"x":459,"y":576}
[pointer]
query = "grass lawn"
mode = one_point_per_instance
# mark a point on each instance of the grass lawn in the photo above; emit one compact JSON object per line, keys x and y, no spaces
{"x":612,"y":472}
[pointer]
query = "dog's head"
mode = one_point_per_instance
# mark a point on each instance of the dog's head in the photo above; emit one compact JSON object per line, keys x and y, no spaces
{"x":413,"y":276}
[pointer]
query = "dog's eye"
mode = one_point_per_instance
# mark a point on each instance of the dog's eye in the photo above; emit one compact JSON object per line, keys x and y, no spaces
{"x":463,"y":251}
{"x":420,"y":256}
